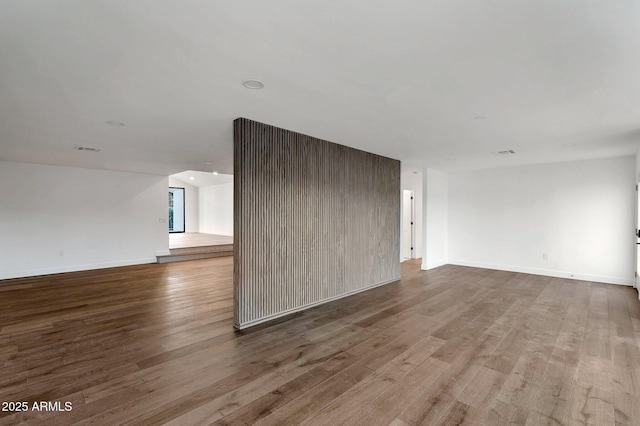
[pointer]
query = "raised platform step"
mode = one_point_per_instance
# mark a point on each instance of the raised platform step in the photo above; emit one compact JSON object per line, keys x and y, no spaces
{"x":193,"y":253}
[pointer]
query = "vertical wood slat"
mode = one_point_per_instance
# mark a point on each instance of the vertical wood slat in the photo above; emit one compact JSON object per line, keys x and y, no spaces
{"x":313,"y":221}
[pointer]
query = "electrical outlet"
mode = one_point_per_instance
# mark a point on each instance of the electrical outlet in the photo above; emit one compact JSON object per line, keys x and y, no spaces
{"x":545,"y":256}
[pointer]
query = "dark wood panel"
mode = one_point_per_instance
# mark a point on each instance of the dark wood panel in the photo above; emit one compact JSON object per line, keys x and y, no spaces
{"x":313,"y":221}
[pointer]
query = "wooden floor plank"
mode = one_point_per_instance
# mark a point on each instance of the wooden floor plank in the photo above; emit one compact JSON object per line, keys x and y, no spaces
{"x":197,"y":239}
{"x":154,"y":344}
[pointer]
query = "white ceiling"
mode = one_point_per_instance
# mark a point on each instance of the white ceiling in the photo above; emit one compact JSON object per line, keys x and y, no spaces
{"x":201,"y":179}
{"x":400,"y":79}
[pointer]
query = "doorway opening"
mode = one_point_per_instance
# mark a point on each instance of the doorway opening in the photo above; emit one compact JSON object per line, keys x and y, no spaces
{"x":408,"y":225}
{"x":176,"y":210}
{"x":636,"y":282}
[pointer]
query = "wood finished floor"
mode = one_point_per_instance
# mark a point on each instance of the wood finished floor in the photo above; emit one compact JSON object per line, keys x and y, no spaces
{"x":197,"y":239}
{"x":154,"y":344}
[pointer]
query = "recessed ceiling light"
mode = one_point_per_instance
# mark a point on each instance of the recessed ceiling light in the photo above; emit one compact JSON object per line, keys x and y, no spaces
{"x":208,"y":163}
{"x":215,"y":173}
{"x":115,"y":123}
{"x":568,"y":145}
{"x":480,"y":117}
{"x":86,"y":149}
{"x":253,"y":84}
{"x":192,"y":178}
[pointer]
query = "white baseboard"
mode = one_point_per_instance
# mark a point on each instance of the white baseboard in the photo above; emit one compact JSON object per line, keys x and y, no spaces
{"x":73,"y":268}
{"x":547,"y":272}
{"x":163,"y":252}
{"x":432,"y":265}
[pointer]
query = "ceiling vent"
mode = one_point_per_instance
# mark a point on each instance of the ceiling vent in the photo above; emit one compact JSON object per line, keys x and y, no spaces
{"x":86,"y":149}
{"x":506,"y":152}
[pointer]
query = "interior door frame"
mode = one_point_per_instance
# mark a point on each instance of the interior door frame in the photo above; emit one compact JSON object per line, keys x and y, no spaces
{"x":636,"y":281}
{"x":412,"y":224}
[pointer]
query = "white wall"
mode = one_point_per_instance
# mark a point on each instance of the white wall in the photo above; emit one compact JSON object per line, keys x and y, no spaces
{"x":216,"y":209}
{"x":59,"y":219}
{"x":580,"y":213}
{"x":413,"y":182}
{"x":436,"y":219}
{"x":192,"y":204}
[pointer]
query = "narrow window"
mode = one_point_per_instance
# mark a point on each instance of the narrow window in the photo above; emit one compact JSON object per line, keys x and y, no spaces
{"x":176,"y":209}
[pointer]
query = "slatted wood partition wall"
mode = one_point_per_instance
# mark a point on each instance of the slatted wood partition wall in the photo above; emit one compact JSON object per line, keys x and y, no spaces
{"x":313,"y":221}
